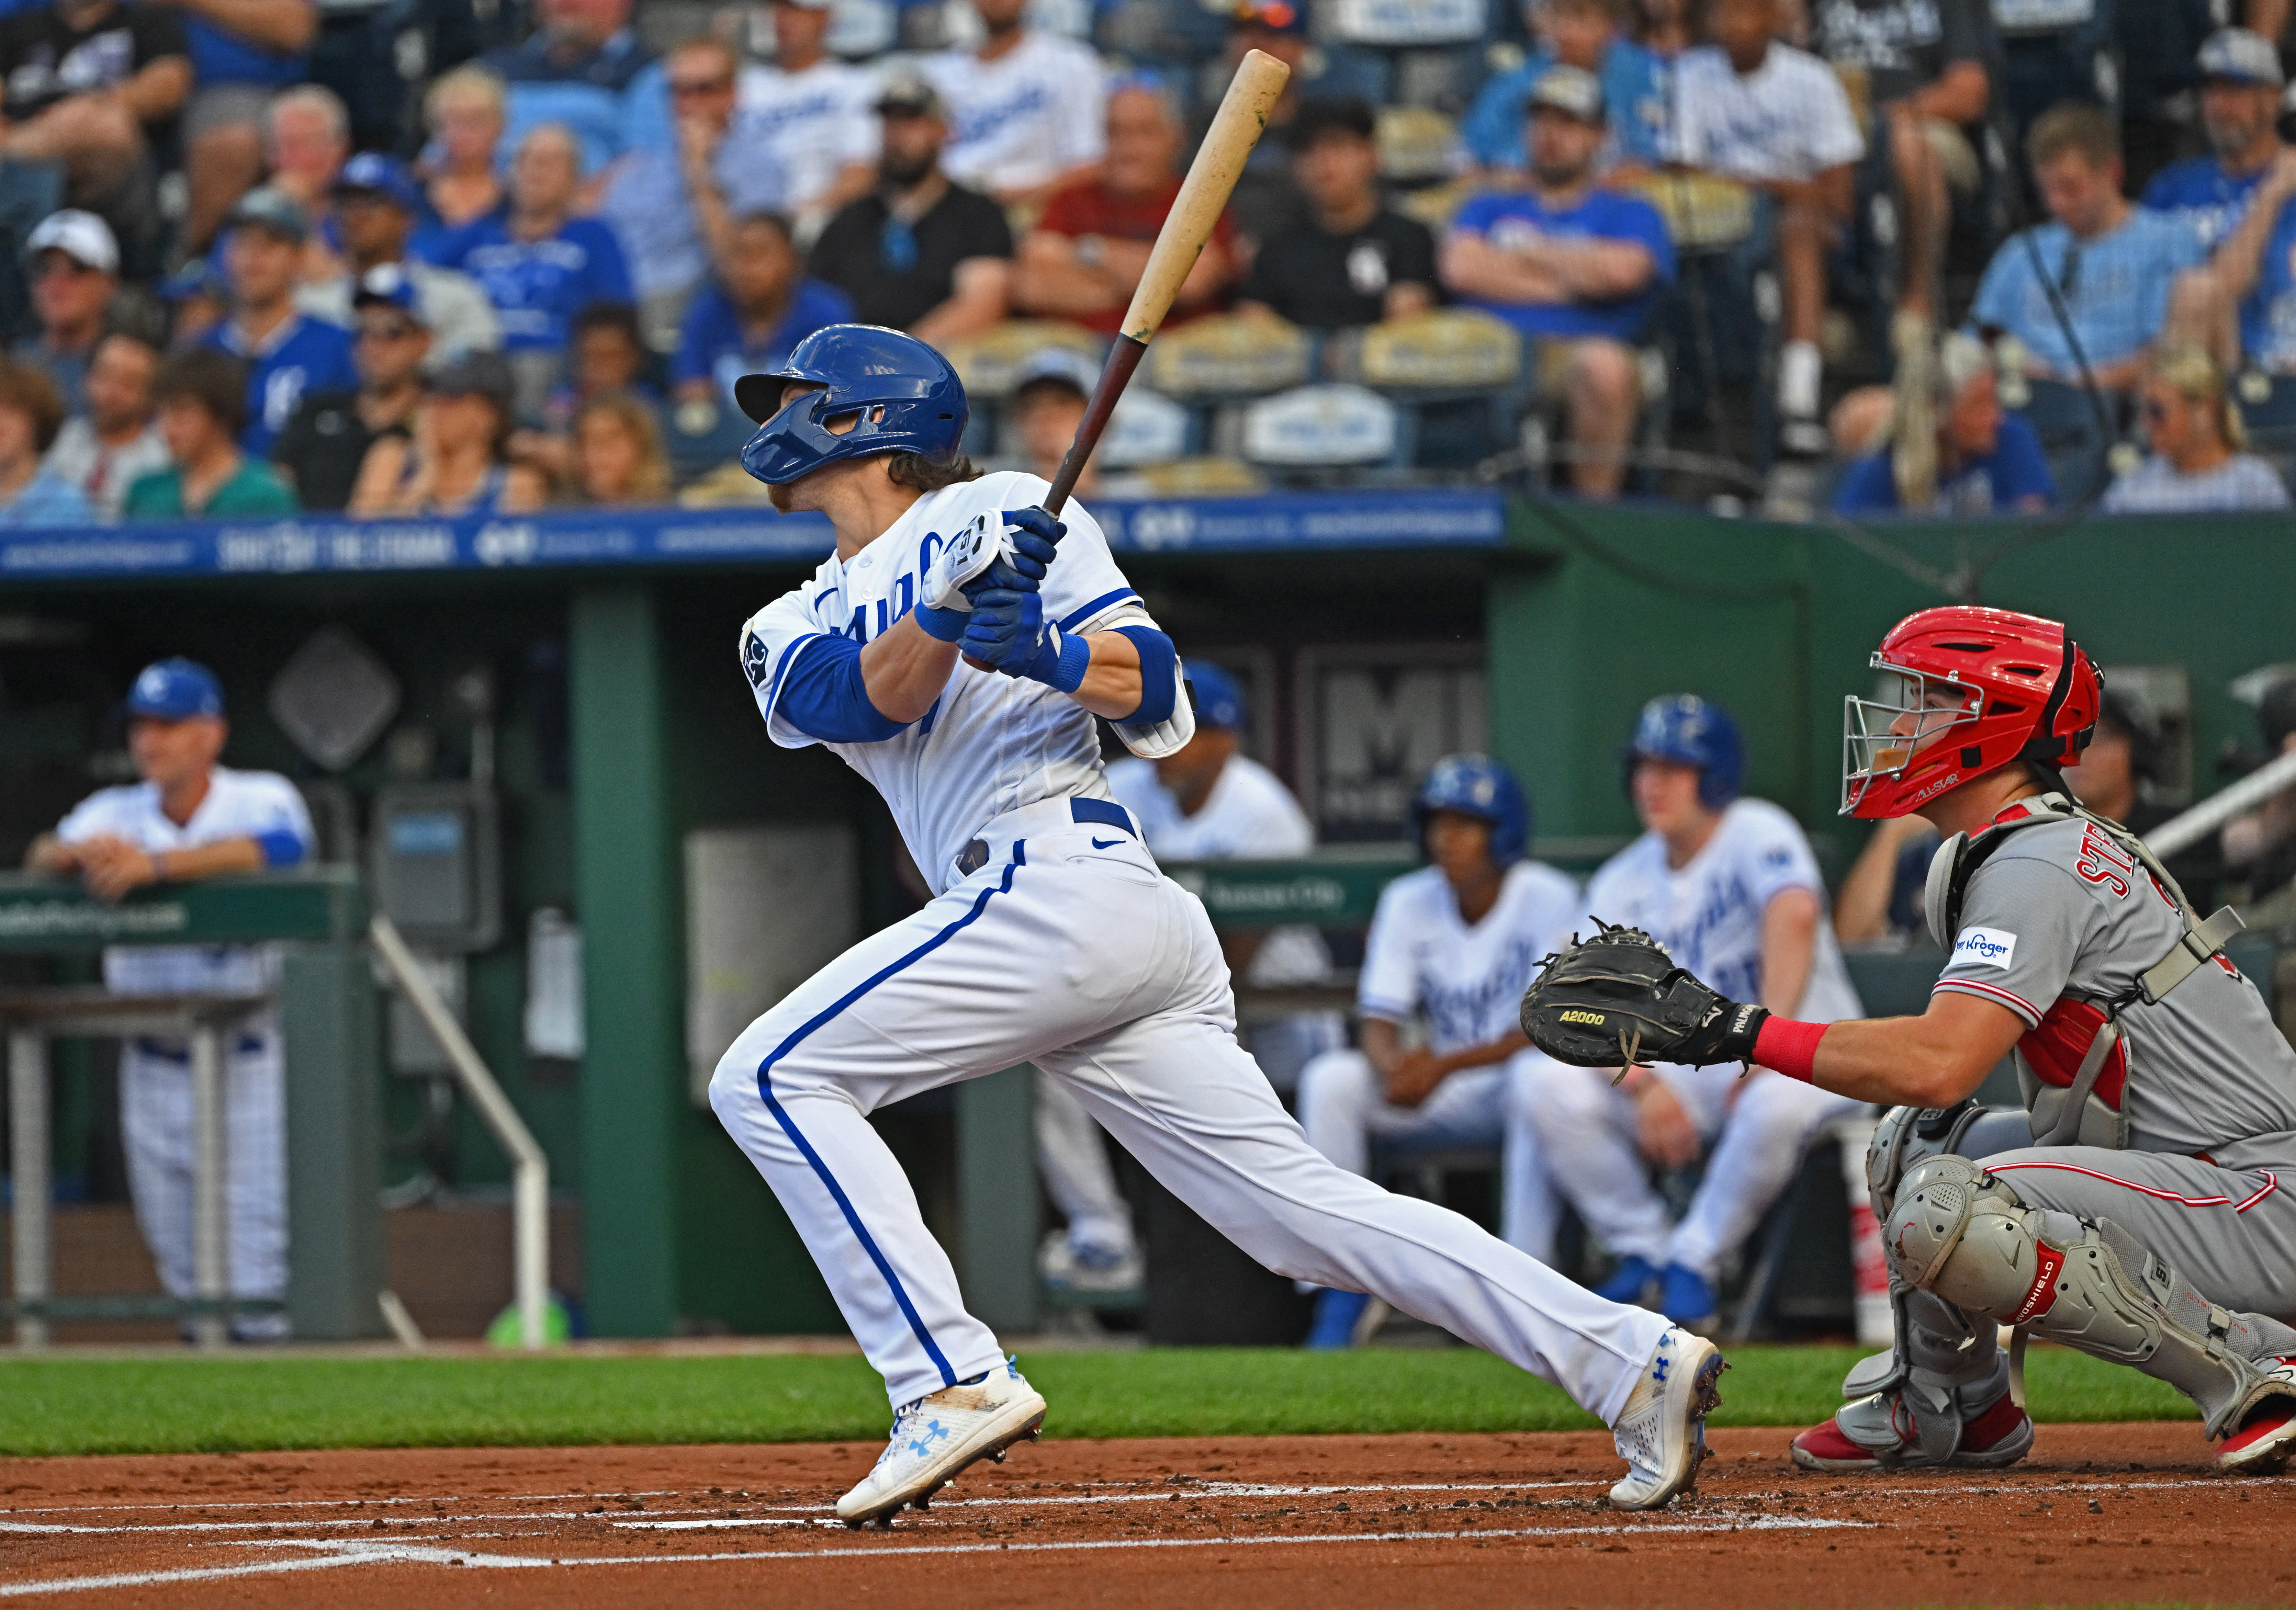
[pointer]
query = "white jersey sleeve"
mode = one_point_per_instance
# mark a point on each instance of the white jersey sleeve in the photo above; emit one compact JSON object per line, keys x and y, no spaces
{"x":105,"y":813}
{"x":771,"y":641}
{"x":1083,"y":586}
{"x":1388,"y":987}
{"x":1774,"y":856}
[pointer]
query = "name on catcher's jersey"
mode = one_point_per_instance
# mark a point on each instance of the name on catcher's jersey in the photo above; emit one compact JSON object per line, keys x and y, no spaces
{"x":991,"y":743}
{"x":2060,"y":920}
{"x":1422,"y":958}
{"x":238,"y":805}
{"x":1708,"y":912}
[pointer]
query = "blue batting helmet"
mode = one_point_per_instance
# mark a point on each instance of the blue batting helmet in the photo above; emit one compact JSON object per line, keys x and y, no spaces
{"x":907,"y":398}
{"x":1476,"y":785}
{"x":1682,"y":727}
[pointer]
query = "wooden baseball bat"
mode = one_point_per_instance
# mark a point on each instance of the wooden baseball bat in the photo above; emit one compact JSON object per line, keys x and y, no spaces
{"x":1235,"y":129}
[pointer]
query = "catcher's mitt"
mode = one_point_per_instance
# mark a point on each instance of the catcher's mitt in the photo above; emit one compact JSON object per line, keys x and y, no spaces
{"x":1619,"y":999}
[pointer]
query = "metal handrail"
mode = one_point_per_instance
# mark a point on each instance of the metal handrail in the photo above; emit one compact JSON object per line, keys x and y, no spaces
{"x":529,"y":1166}
{"x":2190,"y":827}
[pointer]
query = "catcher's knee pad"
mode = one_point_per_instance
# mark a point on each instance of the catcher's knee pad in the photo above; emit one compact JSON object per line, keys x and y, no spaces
{"x":1909,"y":1136}
{"x":1964,"y":1235}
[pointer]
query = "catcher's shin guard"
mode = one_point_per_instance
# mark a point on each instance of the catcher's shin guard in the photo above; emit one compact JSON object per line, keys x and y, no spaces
{"x":1961,"y":1233}
{"x":1940,"y":1396}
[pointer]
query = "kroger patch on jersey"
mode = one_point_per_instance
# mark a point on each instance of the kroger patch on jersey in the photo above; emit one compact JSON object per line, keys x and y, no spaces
{"x":1986,"y":947}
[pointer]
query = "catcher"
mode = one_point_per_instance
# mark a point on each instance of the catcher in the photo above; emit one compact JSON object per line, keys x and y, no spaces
{"x":2133,"y":1209}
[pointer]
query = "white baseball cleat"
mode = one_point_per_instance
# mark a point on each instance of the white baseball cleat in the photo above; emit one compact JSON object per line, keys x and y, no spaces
{"x":2263,"y":1445}
{"x":1661,"y":1432}
{"x":936,"y":1436}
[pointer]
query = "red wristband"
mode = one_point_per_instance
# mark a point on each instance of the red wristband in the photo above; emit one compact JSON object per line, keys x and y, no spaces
{"x":1787,"y":1047}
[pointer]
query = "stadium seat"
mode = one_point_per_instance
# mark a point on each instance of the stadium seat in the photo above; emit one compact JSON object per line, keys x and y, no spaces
{"x":1146,"y":428}
{"x":987,"y":361}
{"x":1209,"y":476}
{"x":1457,"y":373}
{"x":2074,"y":439}
{"x":1326,"y":427}
{"x":1414,"y":144}
{"x":699,"y":437}
{"x":1403,"y":24}
{"x":1227,"y":356}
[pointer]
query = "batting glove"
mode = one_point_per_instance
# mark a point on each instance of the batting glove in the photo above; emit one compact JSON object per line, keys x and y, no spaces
{"x":1006,"y":629}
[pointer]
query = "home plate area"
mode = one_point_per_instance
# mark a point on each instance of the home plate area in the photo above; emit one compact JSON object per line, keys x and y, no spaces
{"x":2101,"y":1514}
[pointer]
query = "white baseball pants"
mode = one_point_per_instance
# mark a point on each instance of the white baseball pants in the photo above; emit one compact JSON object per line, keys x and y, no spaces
{"x":1759,"y":1128}
{"x":1342,"y":1109}
{"x":1073,"y":1159}
{"x":1069,"y":949}
{"x":155,"y":1123}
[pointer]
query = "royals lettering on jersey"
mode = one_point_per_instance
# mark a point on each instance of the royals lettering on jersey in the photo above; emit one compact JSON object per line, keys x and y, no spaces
{"x":1709,"y":911}
{"x":1421,"y":959}
{"x":992,"y":743}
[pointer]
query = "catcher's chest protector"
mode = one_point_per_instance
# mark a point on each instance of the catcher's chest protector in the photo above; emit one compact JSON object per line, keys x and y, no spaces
{"x":2073,"y":1069}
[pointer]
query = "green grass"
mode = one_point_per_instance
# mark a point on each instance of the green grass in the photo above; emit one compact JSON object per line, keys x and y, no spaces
{"x":61,"y":1405}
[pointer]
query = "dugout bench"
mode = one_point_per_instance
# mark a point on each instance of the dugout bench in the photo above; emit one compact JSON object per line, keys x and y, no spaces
{"x":326,"y":1007}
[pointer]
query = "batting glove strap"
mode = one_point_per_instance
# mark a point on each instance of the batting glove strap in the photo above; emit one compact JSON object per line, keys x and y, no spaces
{"x":1062,"y":661}
{"x":946,"y":625}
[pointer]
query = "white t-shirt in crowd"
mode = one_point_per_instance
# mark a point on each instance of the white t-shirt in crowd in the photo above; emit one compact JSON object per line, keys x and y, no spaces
{"x":1787,"y":121}
{"x":813,"y":125}
{"x":1034,"y":113}
{"x":104,"y":474}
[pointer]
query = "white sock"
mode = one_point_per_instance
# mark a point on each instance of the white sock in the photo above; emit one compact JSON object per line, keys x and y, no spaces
{"x":1799,"y":368}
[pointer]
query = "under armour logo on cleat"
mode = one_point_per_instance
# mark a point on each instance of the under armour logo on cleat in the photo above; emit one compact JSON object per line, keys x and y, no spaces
{"x":934,"y":1432}
{"x":1658,"y":1369}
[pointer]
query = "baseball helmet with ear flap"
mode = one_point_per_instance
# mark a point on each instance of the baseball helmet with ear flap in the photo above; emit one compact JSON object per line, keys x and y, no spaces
{"x":897,"y":393}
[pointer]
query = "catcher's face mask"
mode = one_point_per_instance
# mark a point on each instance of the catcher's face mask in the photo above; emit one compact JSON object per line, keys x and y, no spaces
{"x":1911,"y":713}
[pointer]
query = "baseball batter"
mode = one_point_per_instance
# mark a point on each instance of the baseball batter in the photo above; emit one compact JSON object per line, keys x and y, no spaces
{"x":1053,"y":939}
{"x":191,"y":818}
{"x":1452,"y":946}
{"x":2134,"y":1206}
{"x":1730,"y":888}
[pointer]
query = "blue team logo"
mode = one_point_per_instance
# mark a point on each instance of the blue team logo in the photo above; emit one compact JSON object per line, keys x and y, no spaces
{"x":753,"y":659}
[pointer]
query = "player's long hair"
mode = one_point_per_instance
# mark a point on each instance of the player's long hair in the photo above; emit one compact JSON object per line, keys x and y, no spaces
{"x":929,"y":474}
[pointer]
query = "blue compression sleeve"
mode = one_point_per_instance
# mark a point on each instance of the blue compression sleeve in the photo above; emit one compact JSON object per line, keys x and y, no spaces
{"x":824,"y":697}
{"x":1158,"y":688}
{"x":281,"y":848}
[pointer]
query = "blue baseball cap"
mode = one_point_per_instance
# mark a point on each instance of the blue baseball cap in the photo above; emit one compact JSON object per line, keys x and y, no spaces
{"x":1219,"y":701}
{"x":383,"y":175}
{"x":176,"y":690}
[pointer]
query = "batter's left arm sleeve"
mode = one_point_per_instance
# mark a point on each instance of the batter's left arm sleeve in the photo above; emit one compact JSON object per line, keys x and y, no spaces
{"x":825,"y":696}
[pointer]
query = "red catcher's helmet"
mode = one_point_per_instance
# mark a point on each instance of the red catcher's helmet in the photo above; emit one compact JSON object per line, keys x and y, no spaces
{"x":1980,"y":689}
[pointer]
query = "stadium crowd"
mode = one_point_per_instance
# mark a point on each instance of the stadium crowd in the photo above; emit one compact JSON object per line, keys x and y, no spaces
{"x":1963,"y":257}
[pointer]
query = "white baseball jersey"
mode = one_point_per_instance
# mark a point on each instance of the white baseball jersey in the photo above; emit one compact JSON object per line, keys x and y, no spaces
{"x":1034,"y":113}
{"x":239,"y":804}
{"x":1708,"y":912}
{"x":990,"y":744}
{"x":1787,"y":121}
{"x":1422,"y":958}
{"x":812,"y":125}
{"x":1248,"y":815}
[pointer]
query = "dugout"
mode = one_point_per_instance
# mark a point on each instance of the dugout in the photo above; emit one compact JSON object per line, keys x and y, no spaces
{"x":1373,"y":631}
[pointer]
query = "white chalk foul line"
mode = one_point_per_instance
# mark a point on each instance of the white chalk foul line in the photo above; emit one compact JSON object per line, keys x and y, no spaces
{"x":342,"y":1551}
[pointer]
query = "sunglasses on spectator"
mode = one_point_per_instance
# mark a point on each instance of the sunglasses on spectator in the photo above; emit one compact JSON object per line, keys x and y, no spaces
{"x":398,"y":332}
{"x":700,"y":86}
{"x":2157,"y":413}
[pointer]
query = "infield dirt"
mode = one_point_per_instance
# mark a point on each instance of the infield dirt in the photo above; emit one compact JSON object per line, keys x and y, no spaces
{"x":2100,"y":1515}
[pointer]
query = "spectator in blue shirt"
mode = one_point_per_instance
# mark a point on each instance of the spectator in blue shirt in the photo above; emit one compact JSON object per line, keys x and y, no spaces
{"x":2111,"y":263}
{"x":287,"y":353}
{"x":244,"y":51}
{"x":1575,"y":268}
{"x":31,"y":413}
{"x":746,"y":321}
{"x":539,"y":264}
{"x":1988,"y":461}
{"x":2241,"y":86}
{"x":1582,"y":33}
{"x":582,"y":67}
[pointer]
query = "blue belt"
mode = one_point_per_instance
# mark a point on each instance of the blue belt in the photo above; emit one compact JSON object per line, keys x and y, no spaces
{"x":1099,"y":813}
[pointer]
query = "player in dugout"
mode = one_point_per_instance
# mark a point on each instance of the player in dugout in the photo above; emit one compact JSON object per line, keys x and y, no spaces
{"x":2131,"y":1207}
{"x":191,"y":818}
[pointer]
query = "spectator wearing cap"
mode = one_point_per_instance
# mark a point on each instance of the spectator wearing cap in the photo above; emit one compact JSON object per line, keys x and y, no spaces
{"x":201,"y":396}
{"x":674,"y":213}
{"x":464,"y":113}
{"x":1050,"y":389}
{"x":2193,"y":427}
{"x":1752,"y":108}
{"x":377,"y":205}
{"x":105,"y":450}
{"x":455,"y":461}
{"x":187,"y":818}
{"x":1212,"y":802}
{"x":1574,"y":267}
{"x":539,"y":264}
{"x":2241,"y":86}
{"x":1352,"y":261}
{"x":1987,"y":460}
{"x":287,"y":353}
{"x":810,"y":116}
{"x":31,"y":413}
{"x":197,"y":299}
{"x":1585,"y":33}
{"x":74,"y":262}
{"x":1085,"y":258}
{"x":582,"y":67}
{"x":761,"y":304}
{"x":920,"y":252}
{"x":243,"y":53}
{"x":1025,"y":115}
{"x":88,"y":85}
{"x":2107,"y":264}
{"x":1265,"y":199}
{"x":2242,"y":304}
{"x":320,"y":452}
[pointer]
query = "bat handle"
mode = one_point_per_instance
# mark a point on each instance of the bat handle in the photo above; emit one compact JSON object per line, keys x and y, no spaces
{"x":1115,"y":374}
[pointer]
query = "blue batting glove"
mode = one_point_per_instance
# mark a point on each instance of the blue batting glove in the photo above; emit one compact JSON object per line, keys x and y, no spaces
{"x":1062,"y":660}
{"x":1035,"y":522}
{"x":1006,"y":630}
